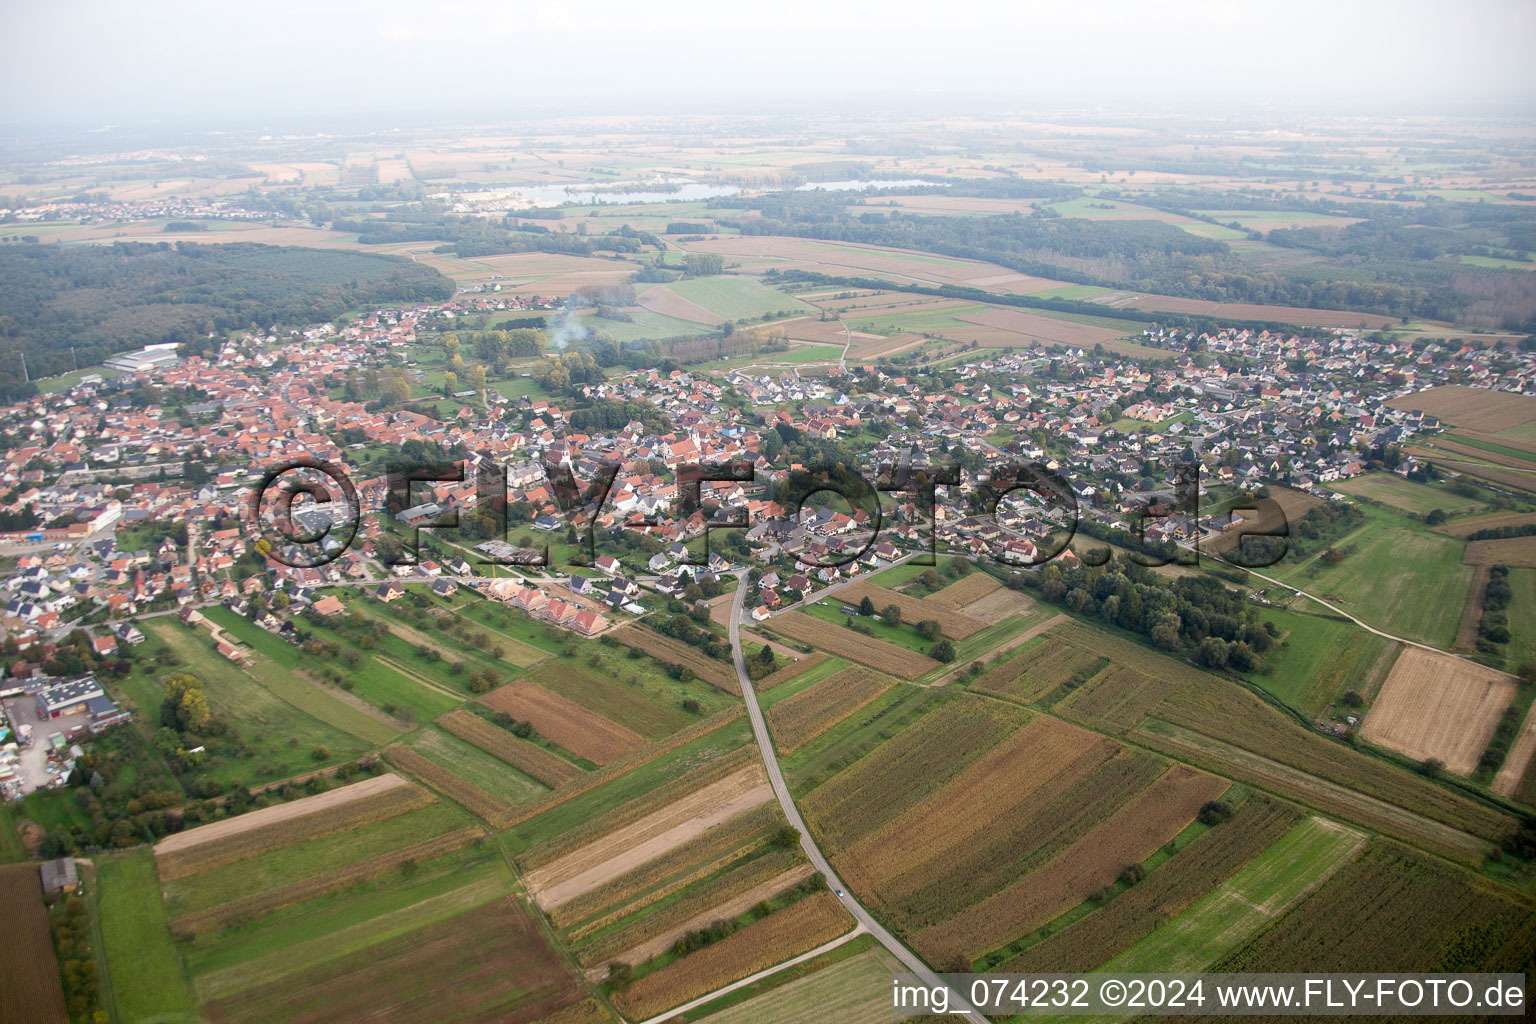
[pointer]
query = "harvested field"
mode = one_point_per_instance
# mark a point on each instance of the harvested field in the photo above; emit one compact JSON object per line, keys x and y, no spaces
{"x":966,"y":590}
{"x":1435,"y":705}
{"x":1194,"y":871}
{"x":493,"y":811}
{"x":1511,"y":479}
{"x":777,"y":937}
{"x":1250,"y":311}
{"x":1020,"y":328}
{"x":999,"y":605}
{"x":598,"y":687}
{"x":804,"y":716}
{"x":588,"y":781}
{"x":1515,"y":552}
{"x":845,"y":643}
{"x":952,"y":624}
{"x":1464,"y":525}
{"x":1445,"y":443}
{"x":491,"y":963}
{"x":731,"y":847}
{"x":30,"y":989}
{"x":674,"y":652}
{"x":1479,"y":409}
{"x":650,"y":837}
{"x":793,"y":670}
{"x":667,"y":302}
{"x":1519,"y":763}
{"x":272,"y":815}
{"x":1128,"y":836}
{"x":257,"y":905}
{"x":1407,"y":495}
{"x":385,"y":797}
{"x":670,"y":926}
{"x":584,"y":733}
{"x":1039,"y":670}
{"x":526,"y":757}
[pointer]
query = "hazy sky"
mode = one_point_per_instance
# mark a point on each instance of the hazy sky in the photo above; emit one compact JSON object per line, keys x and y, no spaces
{"x":101,"y":61}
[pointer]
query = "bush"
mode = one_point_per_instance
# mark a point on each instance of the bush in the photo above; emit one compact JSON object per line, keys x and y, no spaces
{"x":321,"y":753}
{"x":942,"y":651}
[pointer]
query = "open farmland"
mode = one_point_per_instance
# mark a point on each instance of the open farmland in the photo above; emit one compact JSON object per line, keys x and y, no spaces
{"x":732,"y":297}
{"x":952,"y":624}
{"x":966,"y":590}
{"x":804,"y":716}
{"x":29,"y":974}
{"x":845,"y":643}
{"x":146,"y":977}
{"x":1474,"y":408}
{"x":1244,"y":903}
{"x":1128,"y":836}
{"x":1515,"y":552}
{"x":855,"y":989}
{"x":795,"y":669}
{"x":1438,"y":706}
{"x":269,"y":828}
{"x":488,"y":963}
{"x":1140,"y":911}
{"x":674,"y":652}
{"x":1405,"y":910}
{"x":1405,"y":494}
{"x":584,"y":733}
{"x":1464,"y":525}
{"x":647,"y":838}
{"x":528,"y":758}
{"x":799,"y":927}
{"x":495,"y":812}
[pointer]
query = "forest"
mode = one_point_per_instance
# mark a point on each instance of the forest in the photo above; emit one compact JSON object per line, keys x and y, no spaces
{"x":100,"y":300}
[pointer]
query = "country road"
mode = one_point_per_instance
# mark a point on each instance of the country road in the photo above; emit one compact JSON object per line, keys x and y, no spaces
{"x":781,"y":790}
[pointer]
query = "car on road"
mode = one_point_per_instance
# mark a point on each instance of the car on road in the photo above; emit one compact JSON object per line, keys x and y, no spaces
{"x":839,"y":893}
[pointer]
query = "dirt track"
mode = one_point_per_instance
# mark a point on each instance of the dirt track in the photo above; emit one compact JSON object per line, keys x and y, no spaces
{"x":282,"y":812}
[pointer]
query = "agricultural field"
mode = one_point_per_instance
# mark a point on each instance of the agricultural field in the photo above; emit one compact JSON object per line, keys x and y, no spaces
{"x":952,"y":624}
{"x":845,"y":643}
{"x":1473,"y":408}
{"x":669,"y":651}
{"x":805,"y":715}
{"x":966,"y":590}
{"x":1438,"y":706}
{"x":854,"y":989}
{"x":1405,"y":910}
{"x":1515,"y":552}
{"x":1401,"y":493}
{"x":1393,"y":574}
{"x":730,"y":297}
{"x":30,"y":989}
{"x":1320,"y":657}
{"x":1247,"y":901}
{"x":584,"y":733}
{"x":146,"y":976}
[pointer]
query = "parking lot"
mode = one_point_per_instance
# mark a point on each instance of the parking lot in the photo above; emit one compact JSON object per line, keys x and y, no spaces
{"x":33,"y":766}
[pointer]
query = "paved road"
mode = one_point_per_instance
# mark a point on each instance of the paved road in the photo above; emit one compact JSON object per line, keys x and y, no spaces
{"x":781,"y":790}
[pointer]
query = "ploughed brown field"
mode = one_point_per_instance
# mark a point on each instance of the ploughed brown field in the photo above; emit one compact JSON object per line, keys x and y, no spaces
{"x":1476,"y":408}
{"x":845,"y":643}
{"x":584,"y":733}
{"x":1435,"y":705}
{"x":30,"y":990}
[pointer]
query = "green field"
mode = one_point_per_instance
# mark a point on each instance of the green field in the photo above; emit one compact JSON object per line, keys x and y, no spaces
{"x":51,"y":385}
{"x":1226,"y":917}
{"x":1319,"y":657}
{"x":1407,"y":495}
{"x":738,"y":298}
{"x":276,"y":733}
{"x":1395,"y":575}
{"x":476,"y":767}
{"x":1522,"y":454}
{"x":146,"y":977}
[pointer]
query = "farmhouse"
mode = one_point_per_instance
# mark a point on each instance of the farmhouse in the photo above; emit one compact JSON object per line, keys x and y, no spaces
{"x":58,"y":875}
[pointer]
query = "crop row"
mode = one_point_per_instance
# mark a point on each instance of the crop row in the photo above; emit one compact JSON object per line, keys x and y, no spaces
{"x":1128,"y":836}
{"x":656,"y":879}
{"x":494,"y":811}
{"x":907,"y":767}
{"x":800,"y":926}
{"x":966,"y":590}
{"x":801,"y":718}
{"x":329,"y":820}
{"x":526,"y":757}
{"x":653,"y":800}
{"x":1004,"y":679}
{"x":584,"y":733}
{"x":674,"y":652}
{"x":250,"y":908}
{"x":791,"y":671}
{"x":846,"y":643}
{"x":588,"y":781}
{"x":1207,"y":862}
{"x":725,"y":886}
